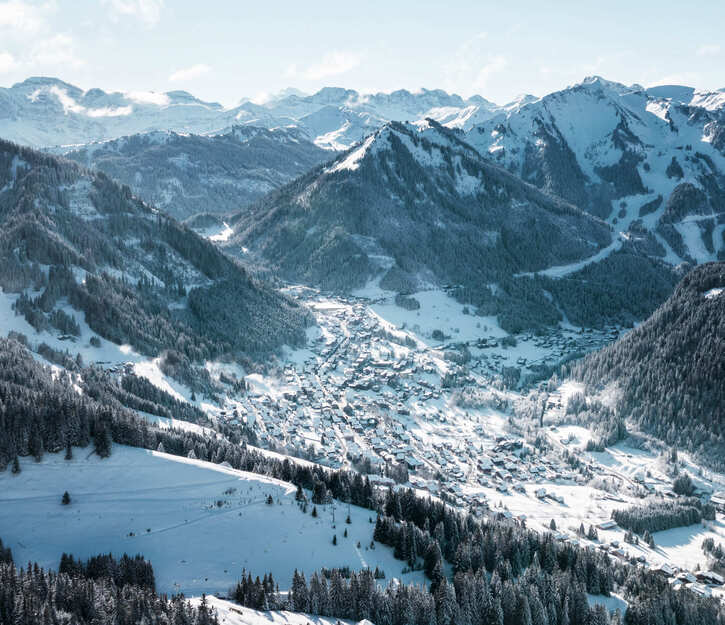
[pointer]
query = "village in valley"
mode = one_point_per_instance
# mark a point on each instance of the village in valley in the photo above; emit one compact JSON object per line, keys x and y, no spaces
{"x":440,"y":410}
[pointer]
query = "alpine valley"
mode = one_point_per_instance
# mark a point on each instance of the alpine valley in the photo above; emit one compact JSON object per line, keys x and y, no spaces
{"x":397,"y":358}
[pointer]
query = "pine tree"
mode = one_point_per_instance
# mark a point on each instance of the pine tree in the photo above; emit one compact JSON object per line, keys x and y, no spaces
{"x":65,"y":500}
{"x":16,"y":465}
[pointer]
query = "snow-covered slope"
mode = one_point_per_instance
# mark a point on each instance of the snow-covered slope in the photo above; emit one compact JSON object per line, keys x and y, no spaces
{"x":626,"y":154}
{"x":198,"y":523}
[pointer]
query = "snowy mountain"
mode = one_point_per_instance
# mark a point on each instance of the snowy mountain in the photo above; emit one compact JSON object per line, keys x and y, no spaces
{"x":48,"y":112}
{"x":45,"y":112}
{"x":649,"y":161}
{"x":415,"y":205}
{"x":185,"y":174}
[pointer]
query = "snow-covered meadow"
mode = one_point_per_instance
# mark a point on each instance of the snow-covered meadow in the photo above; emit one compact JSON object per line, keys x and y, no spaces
{"x":198,"y":523}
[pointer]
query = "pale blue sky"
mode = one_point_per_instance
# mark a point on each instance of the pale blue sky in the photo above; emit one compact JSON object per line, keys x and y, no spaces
{"x":226,"y":50}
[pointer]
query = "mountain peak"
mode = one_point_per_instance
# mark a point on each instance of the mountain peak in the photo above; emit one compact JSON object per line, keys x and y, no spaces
{"x":597,"y":82}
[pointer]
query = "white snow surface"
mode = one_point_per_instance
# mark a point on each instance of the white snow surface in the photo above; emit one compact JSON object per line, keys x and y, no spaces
{"x":165,"y":507}
{"x":230,"y":613}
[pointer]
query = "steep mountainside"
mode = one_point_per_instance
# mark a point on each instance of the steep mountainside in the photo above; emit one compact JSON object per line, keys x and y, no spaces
{"x":415,"y":205}
{"x":650,"y":161}
{"x":189,"y":174}
{"x":670,"y":370}
{"x":75,"y":244}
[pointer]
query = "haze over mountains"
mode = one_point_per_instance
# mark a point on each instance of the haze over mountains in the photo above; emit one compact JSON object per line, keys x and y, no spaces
{"x":47,"y":112}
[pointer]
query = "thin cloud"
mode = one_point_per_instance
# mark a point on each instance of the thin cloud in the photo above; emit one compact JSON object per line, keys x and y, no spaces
{"x":146,"y":11}
{"x":683,"y":78}
{"x":709,"y":50}
{"x":495,"y":65}
{"x":473,"y":65}
{"x":56,"y":51}
{"x":7,"y":62}
{"x":333,"y":64}
{"x":22,"y":16}
{"x":189,"y":73}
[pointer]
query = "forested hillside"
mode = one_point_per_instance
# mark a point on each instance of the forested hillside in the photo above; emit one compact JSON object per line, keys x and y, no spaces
{"x":670,"y":370}
{"x":72,"y":242}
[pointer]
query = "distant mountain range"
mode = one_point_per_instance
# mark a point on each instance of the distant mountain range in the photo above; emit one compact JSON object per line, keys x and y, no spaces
{"x":46,"y":112}
{"x":186,"y":174}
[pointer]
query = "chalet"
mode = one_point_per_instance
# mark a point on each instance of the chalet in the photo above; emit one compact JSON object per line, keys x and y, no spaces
{"x":709,"y":577}
{"x":718,"y":500}
{"x":700,"y":589}
{"x":687,"y":577}
{"x":607,"y":525}
{"x":666,"y":570}
{"x":412,"y":463}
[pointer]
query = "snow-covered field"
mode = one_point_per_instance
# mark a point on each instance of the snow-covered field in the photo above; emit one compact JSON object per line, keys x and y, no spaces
{"x":198,"y":523}
{"x":230,"y":613}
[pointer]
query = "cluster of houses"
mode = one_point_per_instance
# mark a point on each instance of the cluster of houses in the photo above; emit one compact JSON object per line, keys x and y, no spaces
{"x":365,"y":395}
{"x":701,"y":582}
{"x":547,"y":349}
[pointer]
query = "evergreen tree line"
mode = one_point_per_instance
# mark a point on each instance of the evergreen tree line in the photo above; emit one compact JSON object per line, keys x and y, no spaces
{"x":670,"y":368}
{"x":656,"y":516}
{"x":715,"y":551}
{"x":134,"y":571}
{"x":44,"y":210}
{"x":101,"y":590}
{"x":534,"y":597}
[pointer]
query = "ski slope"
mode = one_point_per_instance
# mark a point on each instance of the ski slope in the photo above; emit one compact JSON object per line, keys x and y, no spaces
{"x":198,"y":523}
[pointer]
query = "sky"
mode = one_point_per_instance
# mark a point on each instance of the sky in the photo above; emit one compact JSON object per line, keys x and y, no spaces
{"x":224,"y":51}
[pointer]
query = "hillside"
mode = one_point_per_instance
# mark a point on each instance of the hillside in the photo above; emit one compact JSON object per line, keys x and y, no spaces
{"x":415,"y":206}
{"x":197,"y":522}
{"x":82,"y":257}
{"x":651,"y":162}
{"x":668,"y":372}
{"x":185,"y":174}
